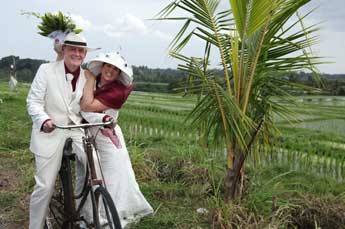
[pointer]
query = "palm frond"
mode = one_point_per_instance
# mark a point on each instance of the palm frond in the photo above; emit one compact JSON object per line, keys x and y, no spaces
{"x":257,"y":42}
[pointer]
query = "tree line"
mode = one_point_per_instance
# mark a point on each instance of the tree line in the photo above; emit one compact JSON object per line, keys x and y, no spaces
{"x":166,"y":80}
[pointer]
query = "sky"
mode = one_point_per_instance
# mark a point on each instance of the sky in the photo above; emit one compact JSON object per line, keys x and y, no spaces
{"x":125,"y":26}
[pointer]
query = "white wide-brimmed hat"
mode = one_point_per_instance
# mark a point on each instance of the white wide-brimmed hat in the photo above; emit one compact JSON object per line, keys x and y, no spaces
{"x":115,"y":59}
{"x":77,"y":40}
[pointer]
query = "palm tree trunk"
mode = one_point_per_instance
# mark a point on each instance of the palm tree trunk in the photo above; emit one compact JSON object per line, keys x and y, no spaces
{"x":233,"y":178}
{"x":233,"y":173}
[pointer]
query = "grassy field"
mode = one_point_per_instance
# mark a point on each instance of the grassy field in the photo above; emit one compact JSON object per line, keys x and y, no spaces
{"x":298,"y":184}
{"x":16,"y":167}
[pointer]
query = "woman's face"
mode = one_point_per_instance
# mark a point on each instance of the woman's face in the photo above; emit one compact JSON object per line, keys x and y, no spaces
{"x":110,"y":73}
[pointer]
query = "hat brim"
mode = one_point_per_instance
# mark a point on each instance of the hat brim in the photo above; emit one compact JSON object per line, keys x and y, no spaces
{"x":80,"y":46}
{"x":95,"y":66}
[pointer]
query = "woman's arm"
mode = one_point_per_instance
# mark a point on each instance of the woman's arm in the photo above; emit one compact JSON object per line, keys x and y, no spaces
{"x":88,"y":102}
{"x":58,"y":50}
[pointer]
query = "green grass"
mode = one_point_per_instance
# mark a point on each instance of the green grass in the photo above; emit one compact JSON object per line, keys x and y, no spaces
{"x":178,"y":176}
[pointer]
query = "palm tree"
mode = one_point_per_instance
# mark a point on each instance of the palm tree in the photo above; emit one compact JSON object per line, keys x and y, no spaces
{"x":258,"y":42}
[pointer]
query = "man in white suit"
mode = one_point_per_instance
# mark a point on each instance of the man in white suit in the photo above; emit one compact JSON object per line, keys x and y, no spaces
{"x":54,"y":99}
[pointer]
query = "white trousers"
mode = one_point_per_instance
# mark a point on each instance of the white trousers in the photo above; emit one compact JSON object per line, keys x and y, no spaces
{"x":46,"y":171}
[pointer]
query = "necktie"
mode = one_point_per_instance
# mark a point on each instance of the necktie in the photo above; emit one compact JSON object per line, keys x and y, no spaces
{"x":69,"y":78}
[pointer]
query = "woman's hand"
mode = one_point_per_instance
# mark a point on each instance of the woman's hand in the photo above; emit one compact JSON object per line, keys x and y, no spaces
{"x":109,"y":119}
{"x":89,"y":75}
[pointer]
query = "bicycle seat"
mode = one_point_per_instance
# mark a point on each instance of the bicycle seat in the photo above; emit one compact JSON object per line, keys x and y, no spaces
{"x":67,"y":149}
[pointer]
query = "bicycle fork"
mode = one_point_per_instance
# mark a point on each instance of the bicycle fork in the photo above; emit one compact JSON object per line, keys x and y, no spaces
{"x":91,"y":163}
{"x":94,"y":181}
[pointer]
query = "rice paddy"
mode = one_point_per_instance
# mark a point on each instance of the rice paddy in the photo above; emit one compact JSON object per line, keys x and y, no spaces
{"x":179,"y":175}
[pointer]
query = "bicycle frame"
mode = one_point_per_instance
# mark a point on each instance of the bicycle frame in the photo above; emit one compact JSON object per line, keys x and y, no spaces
{"x":71,"y":214}
{"x":88,"y":143}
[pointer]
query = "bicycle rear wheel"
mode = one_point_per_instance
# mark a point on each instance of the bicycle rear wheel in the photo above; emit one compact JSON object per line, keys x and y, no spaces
{"x":107,"y":216}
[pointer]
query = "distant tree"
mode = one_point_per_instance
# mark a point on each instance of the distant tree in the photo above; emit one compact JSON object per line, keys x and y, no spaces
{"x":25,"y":68}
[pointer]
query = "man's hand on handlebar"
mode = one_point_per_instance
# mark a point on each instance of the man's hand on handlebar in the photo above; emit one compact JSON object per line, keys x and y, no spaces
{"x":48,"y":126}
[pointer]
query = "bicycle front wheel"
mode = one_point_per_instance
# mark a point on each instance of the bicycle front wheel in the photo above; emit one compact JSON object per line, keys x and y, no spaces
{"x":106,"y":216}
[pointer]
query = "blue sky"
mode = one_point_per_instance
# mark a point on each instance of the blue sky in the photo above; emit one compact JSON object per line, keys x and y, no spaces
{"x":115,"y":25}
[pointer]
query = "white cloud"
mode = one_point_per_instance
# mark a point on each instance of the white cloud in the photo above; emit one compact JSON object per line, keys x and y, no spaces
{"x":132,"y":23}
{"x":125,"y":26}
{"x":82,"y":22}
{"x":122,"y":27}
{"x":128,"y":25}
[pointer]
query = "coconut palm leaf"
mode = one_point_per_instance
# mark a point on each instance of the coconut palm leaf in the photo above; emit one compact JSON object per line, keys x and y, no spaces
{"x":257,"y":43}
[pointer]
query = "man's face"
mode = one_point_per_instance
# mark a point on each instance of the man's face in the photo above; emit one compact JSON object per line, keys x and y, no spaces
{"x":73,"y":56}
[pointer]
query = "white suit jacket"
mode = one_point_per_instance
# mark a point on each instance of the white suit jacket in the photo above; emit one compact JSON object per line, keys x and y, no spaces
{"x":47,"y":99}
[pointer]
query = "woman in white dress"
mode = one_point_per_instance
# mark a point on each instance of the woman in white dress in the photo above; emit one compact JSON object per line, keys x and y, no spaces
{"x":109,"y":83}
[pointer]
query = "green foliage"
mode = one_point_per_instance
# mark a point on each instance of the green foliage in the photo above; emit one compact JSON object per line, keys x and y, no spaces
{"x":146,"y":74}
{"x":179,"y":174}
{"x":168,"y":80}
{"x":25,"y":68}
{"x":279,"y":198}
{"x":51,"y":22}
{"x":256,"y":49}
{"x":15,"y":125}
{"x":151,"y":87}
{"x":16,"y":168}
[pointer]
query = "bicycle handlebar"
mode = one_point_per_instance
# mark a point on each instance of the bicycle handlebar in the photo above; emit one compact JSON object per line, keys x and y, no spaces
{"x":86,"y":125}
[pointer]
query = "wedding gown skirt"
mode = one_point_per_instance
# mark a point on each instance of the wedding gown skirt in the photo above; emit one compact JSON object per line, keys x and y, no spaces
{"x":120,"y":179}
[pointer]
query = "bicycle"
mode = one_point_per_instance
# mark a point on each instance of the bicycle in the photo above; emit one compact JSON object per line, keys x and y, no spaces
{"x":63,"y":212}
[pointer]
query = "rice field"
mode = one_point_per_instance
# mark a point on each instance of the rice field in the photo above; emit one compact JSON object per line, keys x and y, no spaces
{"x":176,"y":172}
{"x":315,"y":138}
{"x":318,"y":130}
